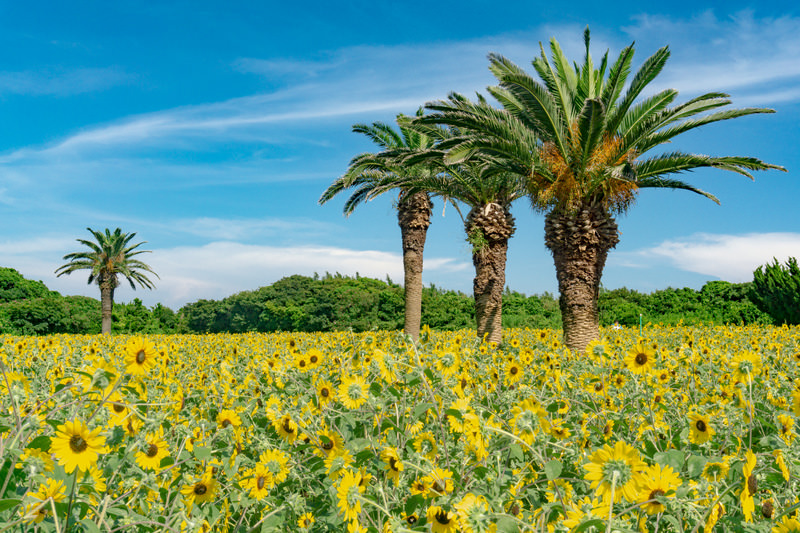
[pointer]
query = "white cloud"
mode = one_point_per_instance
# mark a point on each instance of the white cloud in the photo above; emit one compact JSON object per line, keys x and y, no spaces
{"x":754,"y":59}
{"x":60,"y":81}
{"x":728,"y":257}
{"x":217,"y":269}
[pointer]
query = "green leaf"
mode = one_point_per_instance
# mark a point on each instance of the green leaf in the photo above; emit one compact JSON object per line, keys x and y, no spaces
{"x":506,"y":524}
{"x":202,"y":453}
{"x":673,"y":458}
{"x":552,"y":469}
{"x":516,"y":451}
{"x":421,"y":409}
{"x":40,"y":443}
{"x":455,"y":413}
{"x":596,"y":523}
{"x":695,"y":465}
{"x":9,"y":504}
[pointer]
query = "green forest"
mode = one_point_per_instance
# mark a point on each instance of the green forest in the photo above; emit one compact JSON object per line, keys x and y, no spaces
{"x":334,"y":302}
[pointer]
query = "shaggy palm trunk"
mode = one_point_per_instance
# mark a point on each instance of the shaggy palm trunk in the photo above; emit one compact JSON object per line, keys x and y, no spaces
{"x":488,"y":229}
{"x":106,"y":305}
{"x":414,"y":217}
{"x":580,"y":243}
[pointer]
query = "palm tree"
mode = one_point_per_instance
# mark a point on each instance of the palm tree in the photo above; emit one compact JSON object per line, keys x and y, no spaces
{"x":580,"y":144}
{"x":368,"y":175}
{"x":109,"y":256}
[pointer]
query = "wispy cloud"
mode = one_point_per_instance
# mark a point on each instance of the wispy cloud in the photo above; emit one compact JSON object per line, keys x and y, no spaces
{"x":755,"y":59}
{"x":219,"y":269}
{"x":61,"y":81}
{"x":728,"y":257}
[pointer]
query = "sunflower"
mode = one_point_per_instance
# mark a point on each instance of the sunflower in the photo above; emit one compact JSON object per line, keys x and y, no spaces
{"x":353,"y":392}
{"x":714,"y":516}
{"x":228,"y":417}
{"x":314,"y":357}
{"x":77,"y":447}
{"x":154,"y":450}
{"x":286,"y":428}
{"x":305,"y":521}
{"x":655,"y":482}
{"x":277,"y":462}
{"x":425,"y":444}
{"x":787,"y":525}
{"x":40,"y":508}
{"x":786,"y":425}
{"x":393,"y":464}
{"x":559,"y":430}
{"x":258,"y":480}
{"x":715,"y":472}
{"x":140,"y":356}
{"x":640,"y":359}
{"x":330,"y":443}
{"x":203,"y":490}
{"x":701,"y":429}
{"x":750,"y":486}
{"x":474,"y":514}
{"x":439,"y":482}
{"x":614,"y":469}
{"x":796,"y":403}
{"x":513,"y":372}
{"x":348,"y":492}
{"x":781,"y":464}
{"x":442,"y":521}
{"x":325,"y":392}
{"x":584,"y":510}
{"x":525,"y":420}
{"x":745,"y":366}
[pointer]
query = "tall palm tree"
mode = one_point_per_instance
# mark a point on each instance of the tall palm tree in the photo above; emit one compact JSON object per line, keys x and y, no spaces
{"x":488,"y":191}
{"x":580,"y":143}
{"x":368,"y":174}
{"x":110,"y":256}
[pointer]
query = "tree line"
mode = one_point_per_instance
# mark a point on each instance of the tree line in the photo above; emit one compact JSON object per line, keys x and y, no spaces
{"x":334,"y":302}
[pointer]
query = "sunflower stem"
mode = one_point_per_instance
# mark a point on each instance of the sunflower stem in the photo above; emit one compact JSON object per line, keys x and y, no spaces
{"x":71,"y":499}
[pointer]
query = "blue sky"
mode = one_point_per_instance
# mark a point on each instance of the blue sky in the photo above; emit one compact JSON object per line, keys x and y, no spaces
{"x":211,"y":130}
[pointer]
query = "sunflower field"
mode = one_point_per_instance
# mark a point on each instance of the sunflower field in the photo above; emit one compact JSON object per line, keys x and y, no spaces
{"x":678,"y":429}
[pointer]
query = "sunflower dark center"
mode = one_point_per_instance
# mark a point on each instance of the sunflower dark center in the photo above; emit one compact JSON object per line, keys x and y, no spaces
{"x":287,"y":426}
{"x":117,"y":407}
{"x":441,"y":517}
{"x":302,"y":363}
{"x":260,"y":480}
{"x":324,"y":392}
{"x":152,"y":450}
{"x":327,"y":445}
{"x":411,"y":520}
{"x":598,"y":387}
{"x":437,"y":486}
{"x":77,"y":444}
{"x":641,"y":358}
{"x":140,"y":357}
{"x":752,"y":484}
{"x":313,"y":359}
{"x":701,"y":426}
{"x":655,"y":493}
{"x":226,"y":423}
{"x":200,"y":489}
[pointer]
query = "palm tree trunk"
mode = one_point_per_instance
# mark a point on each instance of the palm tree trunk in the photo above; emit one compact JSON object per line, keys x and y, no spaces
{"x":580,"y":243}
{"x":106,"y":306}
{"x":414,"y":217}
{"x":488,"y":229}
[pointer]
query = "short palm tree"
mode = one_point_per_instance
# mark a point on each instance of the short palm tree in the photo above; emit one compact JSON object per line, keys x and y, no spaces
{"x":368,"y":175}
{"x":579,"y":138}
{"x":109,"y":256}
